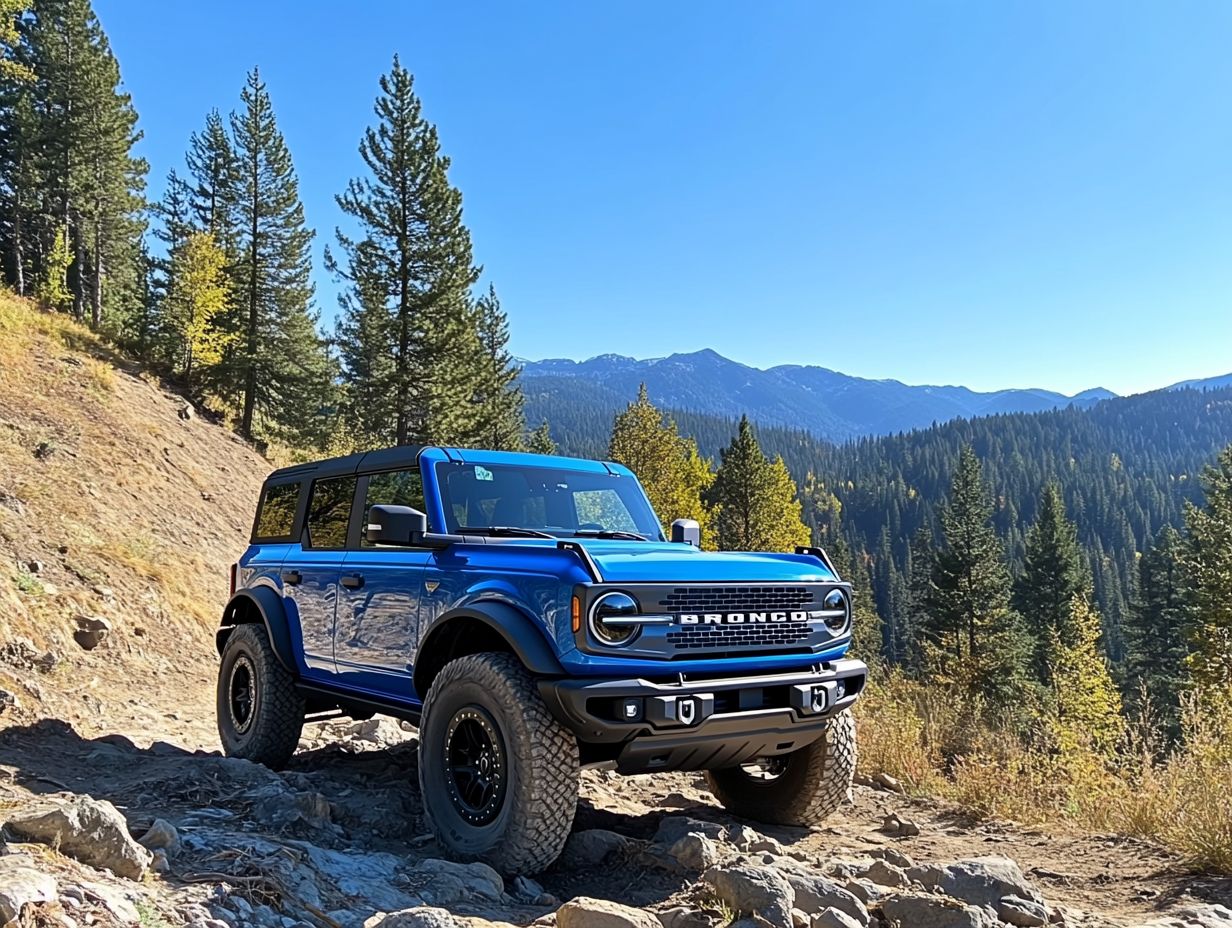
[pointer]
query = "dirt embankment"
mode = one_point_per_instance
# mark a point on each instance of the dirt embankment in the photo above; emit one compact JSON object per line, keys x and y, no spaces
{"x":119,"y":513}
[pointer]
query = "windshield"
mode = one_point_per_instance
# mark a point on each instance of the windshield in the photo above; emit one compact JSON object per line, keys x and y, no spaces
{"x":561,"y":503}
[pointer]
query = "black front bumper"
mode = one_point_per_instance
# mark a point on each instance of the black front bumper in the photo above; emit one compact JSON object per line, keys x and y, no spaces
{"x":702,"y":723}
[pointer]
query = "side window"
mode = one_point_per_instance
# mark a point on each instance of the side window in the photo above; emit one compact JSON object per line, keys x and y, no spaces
{"x":276,"y":515}
{"x":395,"y":488}
{"x":329,"y":512}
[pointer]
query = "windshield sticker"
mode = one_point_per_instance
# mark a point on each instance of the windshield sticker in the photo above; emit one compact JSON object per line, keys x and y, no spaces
{"x":482,"y":473}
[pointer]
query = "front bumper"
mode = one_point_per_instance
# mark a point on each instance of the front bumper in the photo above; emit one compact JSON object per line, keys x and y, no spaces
{"x":701,"y":723}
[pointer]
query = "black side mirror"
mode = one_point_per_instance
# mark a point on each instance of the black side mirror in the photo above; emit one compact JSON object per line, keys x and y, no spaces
{"x":395,"y":525}
{"x":688,"y":532}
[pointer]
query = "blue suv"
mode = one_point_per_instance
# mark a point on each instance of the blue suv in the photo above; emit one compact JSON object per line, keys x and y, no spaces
{"x":528,"y":614}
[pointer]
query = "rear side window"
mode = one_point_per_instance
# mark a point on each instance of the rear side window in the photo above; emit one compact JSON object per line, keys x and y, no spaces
{"x":276,"y":516}
{"x":396,"y":488}
{"x":329,"y":512}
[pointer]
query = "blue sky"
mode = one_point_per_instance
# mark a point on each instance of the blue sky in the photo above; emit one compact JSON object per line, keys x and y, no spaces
{"x":992,"y":194}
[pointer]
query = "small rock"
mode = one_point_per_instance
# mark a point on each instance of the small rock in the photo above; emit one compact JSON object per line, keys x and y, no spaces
{"x":159,"y":862}
{"x":765,"y":845}
{"x":815,"y":893}
{"x":933,"y":912}
{"x":8,"y":701}
{"x":187,"y":412}
{"x":584,"y":912}
{"x":418,"y":917}
{"x":898,"y":827}
{"x":694,"y":852}
{"x":22,"y":884}
{"x":887,"y":782}
{"x":754,"y":890}
{"x":443,"y":882}
{"x":681,"y":917}
{"x":91,"y":631}
{"x":35,"y":567}
{"x":1024,"y":913}
{"x":528,"y":891}
{"x":162,"y":835}
{"x":91,"y":830}
{"x":884,"y":873}
{"x":833,"y":918}
{"x":674,"y":827}
{"x":742,"y":837}
{"x":892,"y":855}
{"x":105,"y":593}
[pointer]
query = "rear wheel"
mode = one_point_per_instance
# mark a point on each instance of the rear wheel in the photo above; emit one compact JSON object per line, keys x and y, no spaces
{"x":499,"y":775}
{"x":260,"y":710}
{"x":800,"y":788}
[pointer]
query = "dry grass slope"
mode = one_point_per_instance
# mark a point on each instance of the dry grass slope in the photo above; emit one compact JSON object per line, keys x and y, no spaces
{"x":111,"y":504}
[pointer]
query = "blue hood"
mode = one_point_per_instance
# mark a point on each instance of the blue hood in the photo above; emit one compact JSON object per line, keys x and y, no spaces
{"x":664,"y":562}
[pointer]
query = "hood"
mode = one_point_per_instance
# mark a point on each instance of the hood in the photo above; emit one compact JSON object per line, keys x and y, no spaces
{"x":664,"y":562}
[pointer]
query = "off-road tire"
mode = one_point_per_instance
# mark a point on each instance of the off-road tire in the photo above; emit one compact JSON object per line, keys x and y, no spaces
{"x":540,"y":793}
{"x":815,"y":782}
{"x":276,"y":715}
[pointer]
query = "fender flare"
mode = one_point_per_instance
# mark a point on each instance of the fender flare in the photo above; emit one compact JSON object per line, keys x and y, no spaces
{"x":268,"y":604}
{"x":518,"y":630}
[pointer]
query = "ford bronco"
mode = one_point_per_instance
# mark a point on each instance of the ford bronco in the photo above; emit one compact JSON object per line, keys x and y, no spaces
{"x":528,"y":614}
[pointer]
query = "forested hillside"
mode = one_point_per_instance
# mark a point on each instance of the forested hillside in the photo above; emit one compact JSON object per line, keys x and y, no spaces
{"x":1125,"y":468}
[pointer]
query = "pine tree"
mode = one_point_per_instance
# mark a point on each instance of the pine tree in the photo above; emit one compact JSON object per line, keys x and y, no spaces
{"x":972,"y":638}
{"x":498,"y":399}
{"x":414,"y":248}
{"x":540,"y":440}
{"x":1054,"y":572}
{"x":1155,"y":632}
{"x":195,"y":301}
{"x":668,"y":467}
{"x":281,"y":365}
{"x":214,"y":186}
{"x":1086,"y":707}
{"x":755,"y":498}
{"x":1209,"y":566}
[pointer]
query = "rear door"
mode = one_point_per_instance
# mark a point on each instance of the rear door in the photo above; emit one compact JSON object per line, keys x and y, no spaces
{"x":378,"y":614}
{"x":311,"y":571}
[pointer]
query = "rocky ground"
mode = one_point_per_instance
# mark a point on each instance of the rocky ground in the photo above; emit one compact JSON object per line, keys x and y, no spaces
{"x":100,"y":831}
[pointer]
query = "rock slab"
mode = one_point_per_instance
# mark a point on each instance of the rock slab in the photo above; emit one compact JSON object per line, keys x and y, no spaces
{"x":90,"y":830}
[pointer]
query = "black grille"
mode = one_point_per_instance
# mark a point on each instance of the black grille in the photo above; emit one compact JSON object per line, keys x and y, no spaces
{"x":735,"y":598}
{"x":711,"y":637}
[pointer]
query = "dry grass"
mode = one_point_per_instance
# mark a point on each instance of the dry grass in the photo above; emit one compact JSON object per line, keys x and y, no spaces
{"x":1181,"y":799}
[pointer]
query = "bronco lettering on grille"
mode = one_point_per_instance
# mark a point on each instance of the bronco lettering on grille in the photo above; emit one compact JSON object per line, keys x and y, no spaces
{"x":742,"y":618}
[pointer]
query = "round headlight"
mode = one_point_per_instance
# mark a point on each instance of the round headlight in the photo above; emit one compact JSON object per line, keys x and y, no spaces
{"x":614,"y":606}
{"x":838,"y":610}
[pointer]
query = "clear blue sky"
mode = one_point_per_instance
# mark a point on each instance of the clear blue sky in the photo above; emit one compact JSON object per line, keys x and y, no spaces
{"x":993,"y":194}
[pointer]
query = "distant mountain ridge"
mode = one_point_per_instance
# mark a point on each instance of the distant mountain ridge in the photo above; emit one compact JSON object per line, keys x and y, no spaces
{"x":826,"y":403}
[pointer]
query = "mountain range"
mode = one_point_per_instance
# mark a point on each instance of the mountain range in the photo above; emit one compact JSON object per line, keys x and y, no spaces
{"x":826,"y":403}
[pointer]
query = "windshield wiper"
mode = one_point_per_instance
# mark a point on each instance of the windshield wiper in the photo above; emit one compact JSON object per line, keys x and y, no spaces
{"x":609,"y":533}
{"x":509,"y":531}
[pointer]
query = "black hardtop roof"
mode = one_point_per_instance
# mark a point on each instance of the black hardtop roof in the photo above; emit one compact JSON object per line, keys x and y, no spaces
{"x":382,"y":459}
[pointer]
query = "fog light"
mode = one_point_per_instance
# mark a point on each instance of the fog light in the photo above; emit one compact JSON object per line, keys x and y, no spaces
{"x":631,"y":710}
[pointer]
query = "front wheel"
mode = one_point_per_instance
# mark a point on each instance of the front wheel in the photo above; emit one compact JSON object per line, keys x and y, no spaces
{"x":800,"y":788}
{"x":260,"y":710}
{"x":499,"y":775}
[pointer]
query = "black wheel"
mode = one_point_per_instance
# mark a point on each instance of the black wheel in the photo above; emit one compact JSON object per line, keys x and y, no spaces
{"x":499,"y":775}
{"x":260,"y":711}
{"x":800,"y":788}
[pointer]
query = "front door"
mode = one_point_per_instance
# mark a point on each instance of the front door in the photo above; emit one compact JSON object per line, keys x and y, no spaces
{"x":378,"y":612}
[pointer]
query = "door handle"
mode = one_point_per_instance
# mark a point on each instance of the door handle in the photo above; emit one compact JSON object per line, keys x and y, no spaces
{"x":352,"y":581}
{"x":292,"y":577}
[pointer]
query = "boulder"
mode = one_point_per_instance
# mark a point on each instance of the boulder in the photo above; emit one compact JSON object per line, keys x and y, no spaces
{"x":418,"y":917}
{"x":591,"y":847}
{"x":22,"y":884}
{"x":442,"y":882}
{"x":694,"y":852}
{"x":884,"y":873}
{"x":750,"y":890}
{"x":978,"y":880}
{"x":91,"y":830}
{"x":912,"y":911}
{"x":681,"y":917}
{"x":584,"y":912}
{"x":1024,"y":913}
{"x":815,"y":893}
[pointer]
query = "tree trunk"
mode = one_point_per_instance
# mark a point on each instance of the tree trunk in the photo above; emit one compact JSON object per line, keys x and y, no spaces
{"x":96,"y":300}
{"x":19,"y":254}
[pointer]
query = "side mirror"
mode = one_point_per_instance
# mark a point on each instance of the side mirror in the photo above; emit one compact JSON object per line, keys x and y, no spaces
{"x":395,"y":525}
{"x":688,"y":532}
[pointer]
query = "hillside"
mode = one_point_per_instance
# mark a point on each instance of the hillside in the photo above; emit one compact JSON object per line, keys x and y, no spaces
{"x":113,"y":506}
{"x":820,"y":401}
